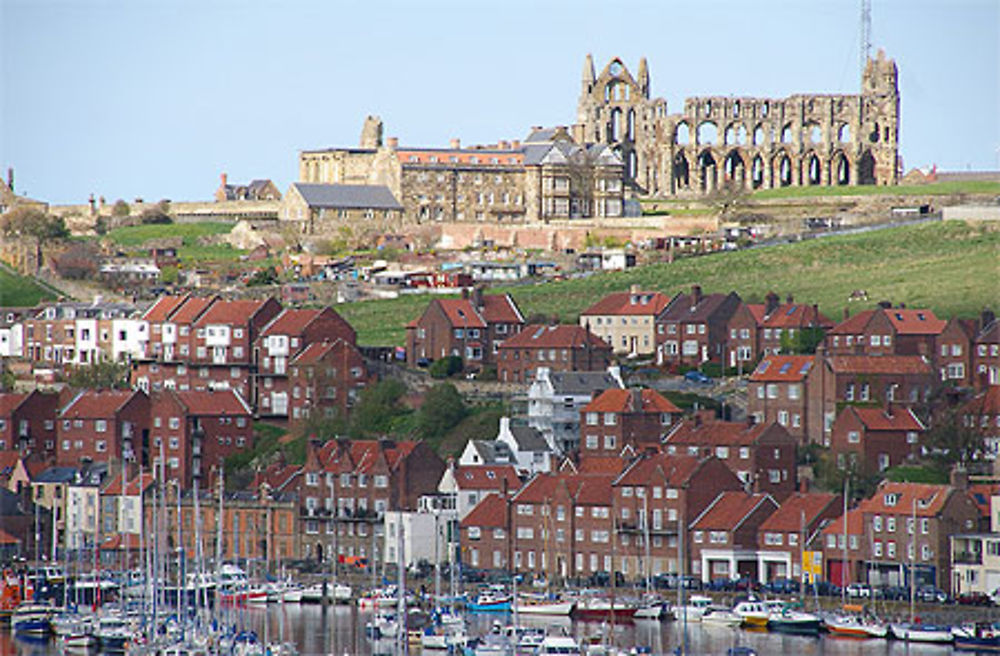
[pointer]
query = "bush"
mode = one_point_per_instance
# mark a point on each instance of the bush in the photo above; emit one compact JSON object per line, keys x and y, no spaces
{"x":120,"y":208}
{"x":445,"y":367}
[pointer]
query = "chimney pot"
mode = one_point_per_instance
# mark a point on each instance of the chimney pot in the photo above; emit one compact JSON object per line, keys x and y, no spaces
{"x":456,"y":144}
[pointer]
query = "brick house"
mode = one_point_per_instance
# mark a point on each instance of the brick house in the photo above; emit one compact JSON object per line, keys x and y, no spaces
{"x":484,"y":534}
{"x":626,"y":320}
{"x":558,"y":348}
{"x":625,"y":418}
{"x":73,"y":334}
{"x":103,"y":426}
{"x":836,"y":543}
{"x":28,"y":423}
{"x":886,"y":331}
{"x":724,"y":536}
{"x":982,"y":413}
{"x":286,"y":336}
{"x":693,"y":328}
{"x":776,"y":392}
{"x":470,"y":484}
{"x":953,"y":352}
{"x":986,"y":358}
{"x":877,"y":437}
{"x":224,"y":417}
{"x":838,"y":380}
{"x":785,"y":321}
{"x":325,"y":377}
{"x":349,"y":486}
{"x":910,"y":524}
{"x":760,"y":455}
{"x":784,"y":536}
{"x":471,"y":327}
{"x":556,"y":399}
{"x":655,"y":495}
{"x":743,"y":345}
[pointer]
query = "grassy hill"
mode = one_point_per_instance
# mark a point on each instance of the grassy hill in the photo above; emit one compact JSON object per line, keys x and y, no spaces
{"x":19,"y":291}
{"x":132,"y":237}
{"x":951,"y":268}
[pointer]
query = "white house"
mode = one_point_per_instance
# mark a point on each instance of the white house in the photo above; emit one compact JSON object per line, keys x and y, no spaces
{"x":530,"y":452}
{"x":555,"y":400}
{"x":468,"y":484}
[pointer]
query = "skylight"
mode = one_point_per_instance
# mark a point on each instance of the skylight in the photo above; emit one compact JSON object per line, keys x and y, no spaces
{"x":785,"y":367}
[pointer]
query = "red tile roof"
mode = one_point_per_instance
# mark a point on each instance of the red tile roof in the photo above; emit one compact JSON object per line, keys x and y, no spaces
{"x":490,"y":512}
{"x":461,"y":313}
{"x":853,"y":325}
{"x":278,"y":475}
{"x":587,"y":489}
{"x":8,"y":460}
{"x":319,"y":350}
{"x":7,"y":538}
{"x":930,"y":499}
{"x":625,"y":400}
{"x":876,"y":419}
{"x":915,"y":322}
{"x":191,"y":309}
{"x":600,"y":465}
{"x":9,"y":403}
{"x":758,"y":310}
{"x":501,"y":308}
{"x":91,"y":404}
{"x":164,"y":306}
{"x":560,"y":336}
{"x":629,"y":303}
{"x":290,"y":322}
{"x":729,"y":510}
{"x":487,"y":477}
{"x":795,"y":315}
{"x":132,"y":488}
{"x":987,"y":403}
{"x":855,"y":524}
{"x":712,"y":433}
{"x":788,"y":517}
{"x":230,"y":313}
{"x":879,"y":364}
{"x":213,"y":403}
{"x":981,"y":493}
{"x":676,"y":469}
{"x":783,"y":369}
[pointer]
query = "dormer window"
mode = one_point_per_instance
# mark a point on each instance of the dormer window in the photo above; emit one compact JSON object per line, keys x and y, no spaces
{"x":891,"y":499}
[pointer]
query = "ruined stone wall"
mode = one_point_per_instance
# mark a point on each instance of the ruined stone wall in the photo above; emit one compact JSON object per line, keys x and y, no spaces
{"x":749,"y":142}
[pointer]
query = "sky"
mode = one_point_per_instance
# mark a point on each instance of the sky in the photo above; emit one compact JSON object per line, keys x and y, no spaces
{"x":156,"y":98}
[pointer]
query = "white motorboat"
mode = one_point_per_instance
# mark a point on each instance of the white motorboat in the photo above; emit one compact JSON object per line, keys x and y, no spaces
{"x":563,"y":645}
{"x":753,"y":613}
{"x":653,"y":610}
{"x":29,"y":618}
{"x":853,"y":625}
{"x":534,"y":605}
{"x":695,"y":608}
{"x":922,"y":632}
{"x":720,"y":617}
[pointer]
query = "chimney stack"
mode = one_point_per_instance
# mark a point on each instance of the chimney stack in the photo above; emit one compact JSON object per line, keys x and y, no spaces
{"x":770,"y":303}
{"x":456,"y":144}
{"x":392,"y":142}
{"x":636,"y":399}
{"x":789,"y":299}
{"x":225,"y":179}
{"x":959,"y":477}
{"x":885,"y":305}
{"x":986,"y":318}
{"x":695,"y":294}
{"x":847,"y":313}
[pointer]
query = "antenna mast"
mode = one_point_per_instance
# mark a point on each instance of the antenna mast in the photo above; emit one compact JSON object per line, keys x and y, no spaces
{"x":866,"y":34}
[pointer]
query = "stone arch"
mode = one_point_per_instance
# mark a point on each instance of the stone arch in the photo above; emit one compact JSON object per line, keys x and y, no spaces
{"x":844,"y":133}
{"x":781,"y":167}
{"x":707,"y":170}
{"x":708,"y":132}
{"x":786,"y":133}
{"x":866,"y":169}
{"x":736,"y":135}
{"x":681,"y":170}
{"x":840,"y":169}
{"x":759,"y":136}
{"x":813,"y":169}
{"x":757,"y":172}
{"x":734,"y":168}
{"x":682,"y":134}
{"x":814,"y":132}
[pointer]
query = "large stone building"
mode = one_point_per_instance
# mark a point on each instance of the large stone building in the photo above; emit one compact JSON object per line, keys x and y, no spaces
{"x":625,"y":142}
{"x":754,"y":143}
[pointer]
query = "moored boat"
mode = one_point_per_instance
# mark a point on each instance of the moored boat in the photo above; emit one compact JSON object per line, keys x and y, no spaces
{"x":533,"y":605}
{"x":693,"y":610}
{"x":979,"y":637}
{"x":922,"y":632}
{"x":787,"y":620}
{"x":600,"y":608}
{"x":753,"y":613}
{"x":32,"y":619}
{"x":490,"y":602}
{"x":855,"y":626}
{"x":720,"y":617}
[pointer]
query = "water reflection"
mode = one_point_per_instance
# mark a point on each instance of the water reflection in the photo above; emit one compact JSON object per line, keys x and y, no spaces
{"x":340,"y":631}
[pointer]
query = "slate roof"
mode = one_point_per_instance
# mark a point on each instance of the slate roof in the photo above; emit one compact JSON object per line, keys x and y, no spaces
{"x":581,"y":383}
{"x":639,"y":303}
{"x":492,"y":452}
{"x":341,"y":196}
{"x":683,"y":307}
{"x":56,"y":475}
{"x":783,"y":369}
{"x":558,"y":336}
{"x":528,"y":438}
{"x":788,"y":517}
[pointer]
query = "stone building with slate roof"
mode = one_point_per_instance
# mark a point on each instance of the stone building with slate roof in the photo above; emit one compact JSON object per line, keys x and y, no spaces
{"x":321,"y":208}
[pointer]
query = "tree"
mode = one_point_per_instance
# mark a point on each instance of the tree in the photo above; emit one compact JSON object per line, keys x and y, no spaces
{"x":33,"y":222}
{"x":268,"y":276}
{"x":77,"y":262}
{"x":445,"y":367}
{"x":953,"y":442}
{"x":320,"y":427}
{"x":101,"y":375}
{"x":379,"y":406}
{"x":441,"y":411}
{"x":120,"y":208}
{"x":804,"y":342}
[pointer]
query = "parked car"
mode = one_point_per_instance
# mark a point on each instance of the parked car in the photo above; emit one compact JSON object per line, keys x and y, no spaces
{"x":824,"y":588}
{"x":895,"y":593}
{"x":859,"y":591}
{"x":695,"y":376}
{"x":974,"y":599}
{"x":781,"y":586}
{"x":719,"y":585}
{"x":930,"y":594}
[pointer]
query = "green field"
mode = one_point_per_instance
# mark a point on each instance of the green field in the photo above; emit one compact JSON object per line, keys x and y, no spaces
{"x":192,"y":251}
{"x":935,"y":189}
{"x":951,"y":268}
{"x":18,"y":291}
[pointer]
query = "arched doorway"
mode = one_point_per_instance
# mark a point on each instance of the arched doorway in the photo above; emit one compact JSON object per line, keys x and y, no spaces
{"x":682,"y":172}
{"x":841,"y":170}
{"x":866,"y":169}
{"x":707,"y":171}
{"x":814,"y":170}
{"x":734,"y":169}
{"x":783,"y":164}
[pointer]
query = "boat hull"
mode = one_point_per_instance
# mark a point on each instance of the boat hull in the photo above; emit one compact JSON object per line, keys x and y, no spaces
{"x":926,"y":633}
{"x":489,"y":607}
{"x":603,"y":613}
{"x":801,"y":627}
{"x":988,"y":645}
{"x":559,"y":608}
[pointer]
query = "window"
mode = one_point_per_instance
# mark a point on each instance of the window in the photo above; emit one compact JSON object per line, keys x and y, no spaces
{"x":877,"y":523}
{"x":774,"y":475}
{"x":744,"y":453}
{"x":174,"y":423}
{"x":722,"y":452}
{"x":877,"y":549}
{"x":591,"y":441}
{"x":610,"y":419}
{"x":890,"y":524}
{"x":925,"y":552}
{"x":101,"y":446}
{"x":853,"y":437}
{"x":101,"y":425}
{"x":699,"y":537}
{"x":925,"y":525}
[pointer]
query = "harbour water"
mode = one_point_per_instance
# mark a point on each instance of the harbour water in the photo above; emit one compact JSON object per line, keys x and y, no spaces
{"x":340,"y":631}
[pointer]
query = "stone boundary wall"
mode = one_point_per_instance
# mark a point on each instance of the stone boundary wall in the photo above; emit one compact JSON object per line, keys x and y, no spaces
{"x":972,"y":213}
